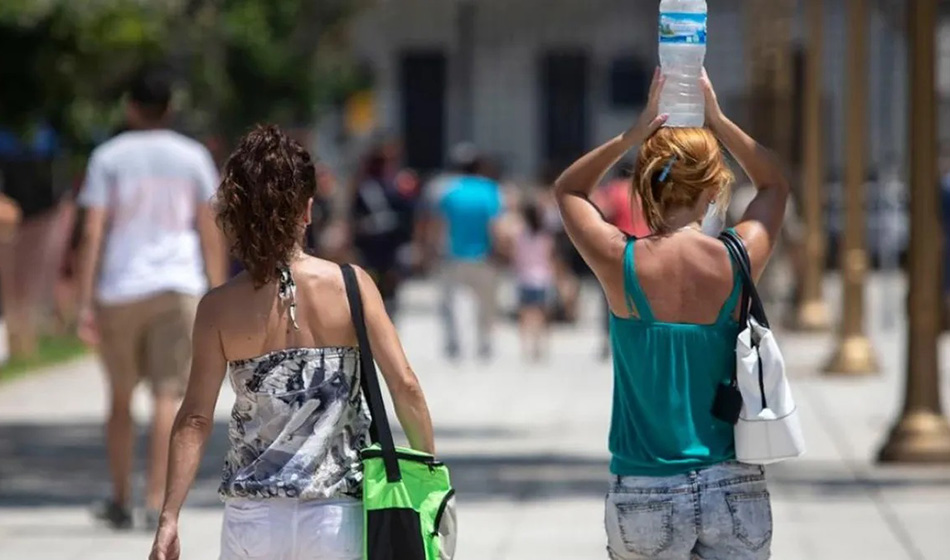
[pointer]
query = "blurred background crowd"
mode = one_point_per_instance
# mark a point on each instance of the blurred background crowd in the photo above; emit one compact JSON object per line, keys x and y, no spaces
{"x":403,"y":100}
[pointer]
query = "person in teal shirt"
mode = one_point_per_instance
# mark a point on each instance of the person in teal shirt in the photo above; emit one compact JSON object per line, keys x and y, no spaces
{"x":676,"y":491}
{"x":469,"y":205}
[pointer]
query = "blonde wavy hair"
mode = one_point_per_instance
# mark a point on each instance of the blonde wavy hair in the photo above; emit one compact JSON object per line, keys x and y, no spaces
{"x":674,"y":167}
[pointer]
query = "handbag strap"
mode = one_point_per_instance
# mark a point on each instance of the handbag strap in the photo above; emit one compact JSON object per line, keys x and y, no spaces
{"x":751,"y":302}
{"x":379,"y":430}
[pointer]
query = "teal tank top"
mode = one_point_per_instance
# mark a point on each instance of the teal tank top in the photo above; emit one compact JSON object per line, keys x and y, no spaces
{"x":665,"y":380}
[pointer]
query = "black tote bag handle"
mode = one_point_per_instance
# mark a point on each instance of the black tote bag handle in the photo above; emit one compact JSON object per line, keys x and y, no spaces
{"x":379,"y":430}
{"x":751,"y":302}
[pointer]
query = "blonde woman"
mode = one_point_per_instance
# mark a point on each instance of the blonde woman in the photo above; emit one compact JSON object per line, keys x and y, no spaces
{"x":676,"y":491}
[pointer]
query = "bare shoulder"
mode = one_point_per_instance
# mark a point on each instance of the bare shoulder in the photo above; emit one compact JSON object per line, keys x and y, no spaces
{"x":328,"y":274}
{"x":319,"y":274}
{"x":218,"y":303}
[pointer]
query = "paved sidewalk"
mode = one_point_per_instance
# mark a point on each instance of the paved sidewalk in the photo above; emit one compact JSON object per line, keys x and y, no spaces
{"x":527,"y":449}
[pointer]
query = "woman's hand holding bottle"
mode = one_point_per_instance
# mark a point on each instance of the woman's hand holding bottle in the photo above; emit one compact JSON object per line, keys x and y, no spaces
{"x":714,"y":114}
{"x":650,"y":120}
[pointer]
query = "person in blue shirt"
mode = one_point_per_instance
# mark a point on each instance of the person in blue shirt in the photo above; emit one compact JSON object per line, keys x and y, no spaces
{"x":469,"y":204}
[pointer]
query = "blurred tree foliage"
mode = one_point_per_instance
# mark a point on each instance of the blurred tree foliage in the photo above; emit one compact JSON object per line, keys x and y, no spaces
{"x":67,"y":62}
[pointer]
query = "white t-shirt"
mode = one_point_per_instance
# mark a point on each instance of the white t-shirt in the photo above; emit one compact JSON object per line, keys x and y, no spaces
{"x":150,"y":183}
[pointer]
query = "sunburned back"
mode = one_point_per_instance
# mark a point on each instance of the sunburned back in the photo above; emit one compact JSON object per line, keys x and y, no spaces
{"x":254,"y":322}
{"x":686,"y":277}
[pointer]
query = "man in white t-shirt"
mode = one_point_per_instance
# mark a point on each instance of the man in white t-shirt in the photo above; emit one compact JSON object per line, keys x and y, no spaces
{"x":150,"y":249}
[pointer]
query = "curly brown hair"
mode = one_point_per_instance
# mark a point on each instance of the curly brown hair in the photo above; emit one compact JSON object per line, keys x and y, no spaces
{"x":267,"y":184}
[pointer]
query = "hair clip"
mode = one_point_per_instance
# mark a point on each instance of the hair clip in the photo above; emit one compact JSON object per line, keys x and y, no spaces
{"x":667,"y":169}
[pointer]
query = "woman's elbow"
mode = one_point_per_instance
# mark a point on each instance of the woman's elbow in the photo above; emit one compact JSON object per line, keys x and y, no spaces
{"x":407,"y":390}
{"x":197,"y":422}
{"x":561,"y":186}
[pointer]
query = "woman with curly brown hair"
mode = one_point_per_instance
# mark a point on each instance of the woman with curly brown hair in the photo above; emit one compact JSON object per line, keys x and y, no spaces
{"x":676,"y":490}
{"x":283,"y":331}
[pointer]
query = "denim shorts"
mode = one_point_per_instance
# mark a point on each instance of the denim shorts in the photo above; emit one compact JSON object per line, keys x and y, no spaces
{"x":718,"y":513}
{"x":531,"y":296}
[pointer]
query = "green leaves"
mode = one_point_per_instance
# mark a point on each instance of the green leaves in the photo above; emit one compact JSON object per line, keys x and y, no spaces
{"x":240,"y":61}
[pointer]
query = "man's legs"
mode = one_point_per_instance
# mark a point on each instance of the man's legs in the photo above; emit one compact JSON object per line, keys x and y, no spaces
{"x":450,"y":279}
{"x":120,"y":345}
{"x":484,"y":282}
{"x":168,"y":351}
{"x":120,"y":442}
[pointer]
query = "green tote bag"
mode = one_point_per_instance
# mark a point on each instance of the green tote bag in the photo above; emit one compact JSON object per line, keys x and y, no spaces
{"x":408,"y":500}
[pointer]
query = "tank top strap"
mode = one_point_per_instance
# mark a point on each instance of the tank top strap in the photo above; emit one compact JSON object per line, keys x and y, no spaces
{"x":725,"y":315}
{"x":633,"y":292}
{"x":287,"y":292}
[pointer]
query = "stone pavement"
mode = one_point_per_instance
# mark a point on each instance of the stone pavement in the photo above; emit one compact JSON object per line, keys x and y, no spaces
{"x":526,"y":445}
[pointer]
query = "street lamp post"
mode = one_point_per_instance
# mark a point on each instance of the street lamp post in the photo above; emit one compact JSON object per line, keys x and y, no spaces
{"x":854,"y":354}
{"x":812,"y":313}
{"x":922,"y":434}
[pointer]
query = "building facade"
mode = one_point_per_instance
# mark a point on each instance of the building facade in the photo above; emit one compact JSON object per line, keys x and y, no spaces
{"x":535,"y":82}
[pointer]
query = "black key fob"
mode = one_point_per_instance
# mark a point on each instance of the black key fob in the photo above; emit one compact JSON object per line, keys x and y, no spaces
{"x":728,"y":404}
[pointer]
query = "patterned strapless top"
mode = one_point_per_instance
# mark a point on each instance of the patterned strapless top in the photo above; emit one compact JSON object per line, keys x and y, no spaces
{"x":297,"y":426}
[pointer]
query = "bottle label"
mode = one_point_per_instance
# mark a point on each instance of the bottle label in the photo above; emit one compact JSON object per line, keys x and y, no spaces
{"x":681,"y":28}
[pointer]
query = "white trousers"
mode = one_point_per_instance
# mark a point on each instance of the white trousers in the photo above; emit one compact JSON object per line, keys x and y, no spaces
{"x":285,"y":529}
{"x":481,"y":278}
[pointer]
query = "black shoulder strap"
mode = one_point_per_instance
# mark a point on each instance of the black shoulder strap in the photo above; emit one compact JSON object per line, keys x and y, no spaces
{"x":369,"y":382}
{"x":751,"y":302}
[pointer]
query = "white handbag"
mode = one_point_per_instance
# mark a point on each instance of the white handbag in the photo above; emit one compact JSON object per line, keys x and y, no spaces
{"x":768,"y":429}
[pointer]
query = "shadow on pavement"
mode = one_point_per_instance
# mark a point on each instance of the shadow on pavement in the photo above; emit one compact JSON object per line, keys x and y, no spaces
{"x":832,"y":480}
{"x":65,"y":465}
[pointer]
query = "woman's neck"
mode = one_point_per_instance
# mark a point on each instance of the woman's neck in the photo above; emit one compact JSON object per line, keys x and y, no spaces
{"x":297,"y":254}
{"x":682,"y":219}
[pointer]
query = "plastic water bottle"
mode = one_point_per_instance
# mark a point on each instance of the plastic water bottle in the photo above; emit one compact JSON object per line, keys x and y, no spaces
{"x":682,"y":52}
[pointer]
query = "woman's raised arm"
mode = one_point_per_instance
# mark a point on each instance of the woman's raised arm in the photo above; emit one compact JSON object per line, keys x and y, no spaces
{"x":762,"y":220}
{"x":599,"y":242}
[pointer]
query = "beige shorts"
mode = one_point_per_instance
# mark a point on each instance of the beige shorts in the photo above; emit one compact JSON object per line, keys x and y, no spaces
{"x":150,"y":339}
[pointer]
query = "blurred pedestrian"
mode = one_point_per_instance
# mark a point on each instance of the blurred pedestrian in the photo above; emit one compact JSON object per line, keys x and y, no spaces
{"x":320,"y":241}
{"x":31,"y":177}
{"x":150,"y":249}
{"x":567,"y":284}
{"x":620,"y":205}
{"x":534,"y":269}
{"x":470,"y":206}
{"x":282,"y":331}
{"x":10,"y":217}
{"x":382,"y":215}
{"x":675,"y":296}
